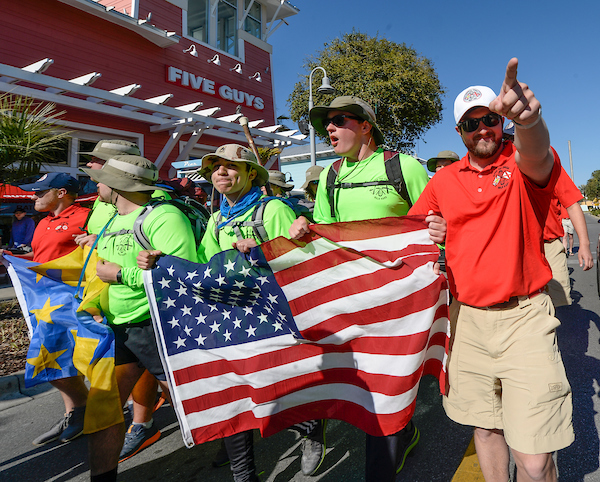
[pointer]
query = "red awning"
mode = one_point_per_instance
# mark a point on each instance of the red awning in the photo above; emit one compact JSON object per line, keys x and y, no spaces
{"x":10,"y":193}
{"x":14,"y":193}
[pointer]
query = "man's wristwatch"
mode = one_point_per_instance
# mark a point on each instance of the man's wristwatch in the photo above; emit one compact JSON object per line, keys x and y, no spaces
{"x":119,"y":277}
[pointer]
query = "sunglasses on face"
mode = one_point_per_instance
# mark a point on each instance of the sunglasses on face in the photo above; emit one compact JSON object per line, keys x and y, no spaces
{"x":489,"y":120}
{"x":339,"y":120}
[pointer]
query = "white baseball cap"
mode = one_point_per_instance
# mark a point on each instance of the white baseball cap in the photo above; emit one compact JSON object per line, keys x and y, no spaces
{"x":474,"y":96}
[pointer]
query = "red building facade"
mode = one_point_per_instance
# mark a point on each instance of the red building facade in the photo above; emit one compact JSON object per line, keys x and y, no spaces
{"x":173,"y":76}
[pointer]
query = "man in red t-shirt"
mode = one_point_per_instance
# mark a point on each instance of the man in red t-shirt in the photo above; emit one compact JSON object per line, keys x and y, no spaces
{"x":505,"y":373}
{"x":55,"y":194}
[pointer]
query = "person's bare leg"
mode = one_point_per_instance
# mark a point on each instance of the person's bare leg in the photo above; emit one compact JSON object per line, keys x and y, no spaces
{"x":539,"y":467}
{"x":492,"y":453}
{"x":144,"y":397}
{"x":73,"y":391}
{"x":105,"y":446}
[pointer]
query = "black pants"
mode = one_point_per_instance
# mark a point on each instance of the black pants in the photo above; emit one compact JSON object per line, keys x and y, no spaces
{"x":240,"y":449}
{"x":383,"y":454}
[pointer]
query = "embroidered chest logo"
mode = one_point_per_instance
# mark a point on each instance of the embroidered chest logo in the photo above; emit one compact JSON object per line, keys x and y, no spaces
{"x":501,"y":177}
{"x":123,"y":244}
{"x":61,"y":227}
{"x":380,"y":192}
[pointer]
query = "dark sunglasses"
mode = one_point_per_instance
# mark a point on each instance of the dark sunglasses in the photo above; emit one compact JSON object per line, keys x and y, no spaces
{"x":339,"y":120}
{"x":489,"y":120}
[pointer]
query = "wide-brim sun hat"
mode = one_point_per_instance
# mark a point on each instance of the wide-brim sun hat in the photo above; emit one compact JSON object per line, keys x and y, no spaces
{"x":346,"y":103}
{"x":471,"y":97}
{"x":127,"y":173}
{"x":312,"y":174}
{"x":106,"y":149}
{"x":442,"y":156}
{"x":278,"y":179}
{"x":234,"y":153}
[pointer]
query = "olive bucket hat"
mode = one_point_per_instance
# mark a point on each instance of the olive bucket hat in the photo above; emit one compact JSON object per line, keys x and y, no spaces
{"x":127,"y":173}
{"x":106,"y":149}
{"x":443,"y":155}
{"x":347,"y":103}
{"x":234,"y":153}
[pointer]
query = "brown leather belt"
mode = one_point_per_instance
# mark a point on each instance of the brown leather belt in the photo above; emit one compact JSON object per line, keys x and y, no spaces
{"x":512,"y":302}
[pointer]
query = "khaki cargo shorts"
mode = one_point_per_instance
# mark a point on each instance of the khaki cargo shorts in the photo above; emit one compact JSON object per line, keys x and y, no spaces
{"x":505,"y":372}
{"x":559,"y":287}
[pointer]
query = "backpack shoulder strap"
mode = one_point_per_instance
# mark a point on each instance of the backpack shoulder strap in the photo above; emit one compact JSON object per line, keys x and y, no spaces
{"x":331,"y":176}
{"x":393,"y":170}
{"x":138,"y":226}
{"x":258,"y":225}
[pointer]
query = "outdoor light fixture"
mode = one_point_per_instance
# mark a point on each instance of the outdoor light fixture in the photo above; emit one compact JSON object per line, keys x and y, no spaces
{"x":191,"y":50}
{"x":237,"y":68}
{"x":215,"y":60}
{"x":325,"y":88}
{"x":256,"y":76}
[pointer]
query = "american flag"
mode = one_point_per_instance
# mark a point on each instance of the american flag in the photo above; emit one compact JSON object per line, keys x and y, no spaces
{"x":339,"y":325}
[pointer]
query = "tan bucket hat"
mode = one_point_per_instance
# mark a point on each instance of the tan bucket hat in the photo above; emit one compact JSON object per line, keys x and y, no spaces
{"x":312,"y":174}
{"x":127,"y":173}
{"x":235,"y":153}
{"x":346,"y":103}
{"x":106,"y":149}
{"x":278,"y":178}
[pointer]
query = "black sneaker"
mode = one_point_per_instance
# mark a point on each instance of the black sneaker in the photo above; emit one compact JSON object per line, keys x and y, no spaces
{"x":313,"y":449}
{"x":137,"y":438}
{"x":222,"y":457}
{"x":412,"y":435}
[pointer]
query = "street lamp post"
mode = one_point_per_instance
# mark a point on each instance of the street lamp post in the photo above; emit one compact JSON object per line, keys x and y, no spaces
{"x":325,"y":88}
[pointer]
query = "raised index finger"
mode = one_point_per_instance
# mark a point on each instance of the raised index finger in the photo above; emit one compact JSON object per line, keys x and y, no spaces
{"x":510,"y":78}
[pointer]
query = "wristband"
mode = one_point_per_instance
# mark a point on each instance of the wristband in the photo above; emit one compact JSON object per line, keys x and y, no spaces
{"x":529,"y":126}
{"x":119,"y":277}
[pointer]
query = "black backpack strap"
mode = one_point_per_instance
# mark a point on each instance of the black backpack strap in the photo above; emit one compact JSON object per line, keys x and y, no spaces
{"x":331,"y":176}
{"x":393,"y":170}
{"x":138,"y":225}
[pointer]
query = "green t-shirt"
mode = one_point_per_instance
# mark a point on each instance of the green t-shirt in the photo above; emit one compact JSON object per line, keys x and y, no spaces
{"x":168,"y":231}
{"x":370,"y":202}
{"x":102,"y":212}
{"x":277,"y":219}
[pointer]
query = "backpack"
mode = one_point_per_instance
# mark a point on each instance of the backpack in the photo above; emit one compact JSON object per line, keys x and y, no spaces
{"x":195,"y":212}
{"x":393,"y":170}
{"x":256,"y":222}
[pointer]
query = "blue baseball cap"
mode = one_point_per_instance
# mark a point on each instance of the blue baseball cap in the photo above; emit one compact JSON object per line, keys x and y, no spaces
{"x":53,"y":180}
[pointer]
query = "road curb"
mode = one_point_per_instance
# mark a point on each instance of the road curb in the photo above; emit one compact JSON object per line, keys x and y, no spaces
{"x":13,"y":391}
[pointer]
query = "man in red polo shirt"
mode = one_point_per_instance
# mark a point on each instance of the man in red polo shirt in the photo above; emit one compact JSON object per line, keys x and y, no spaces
{"x":55,"y":193}
{"x":505,"y":372}
{"x":566,"y":197}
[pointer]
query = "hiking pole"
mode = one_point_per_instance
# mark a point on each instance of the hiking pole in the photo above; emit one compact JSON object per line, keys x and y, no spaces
{"x":251,"y":143}
{"x":244,"y":124}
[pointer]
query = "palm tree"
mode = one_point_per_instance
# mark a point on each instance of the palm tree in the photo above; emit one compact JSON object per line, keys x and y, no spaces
{"x":28,"y":136}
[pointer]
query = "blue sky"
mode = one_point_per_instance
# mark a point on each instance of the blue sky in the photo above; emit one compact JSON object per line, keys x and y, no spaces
{"x":557,"y":44}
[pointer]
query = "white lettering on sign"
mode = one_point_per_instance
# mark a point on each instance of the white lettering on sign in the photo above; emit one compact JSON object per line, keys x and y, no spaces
{"x":192,"y":81}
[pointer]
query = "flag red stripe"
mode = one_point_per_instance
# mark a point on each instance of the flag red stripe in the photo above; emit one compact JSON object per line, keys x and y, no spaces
{"x":351,"y":286}
{"x":393,"y":345}
{"x":413,"y":303}
{"x":352,"y":413}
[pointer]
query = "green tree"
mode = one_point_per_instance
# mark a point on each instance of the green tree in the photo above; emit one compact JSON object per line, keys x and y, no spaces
{"x":592,"y":188}
{"x":28,"y":136}
{"x":401,"y":85}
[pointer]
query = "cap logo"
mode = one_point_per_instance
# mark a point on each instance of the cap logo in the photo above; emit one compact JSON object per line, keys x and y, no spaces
{"x":471,"y":95}
{"x":42,"y":178}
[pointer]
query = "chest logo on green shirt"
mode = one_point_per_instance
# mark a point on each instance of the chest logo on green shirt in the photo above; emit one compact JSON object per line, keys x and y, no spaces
{"x":501,"y":177}
{"x":380,"y":192}
{"x":123,"y":244}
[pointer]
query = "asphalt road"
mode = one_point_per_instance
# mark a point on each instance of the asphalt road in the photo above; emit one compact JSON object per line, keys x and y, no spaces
{"x":436,"y":458}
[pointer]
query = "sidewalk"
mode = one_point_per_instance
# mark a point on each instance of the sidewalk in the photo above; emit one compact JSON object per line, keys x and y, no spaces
{"x":7,"y":292}
{"x":13,"y":391}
